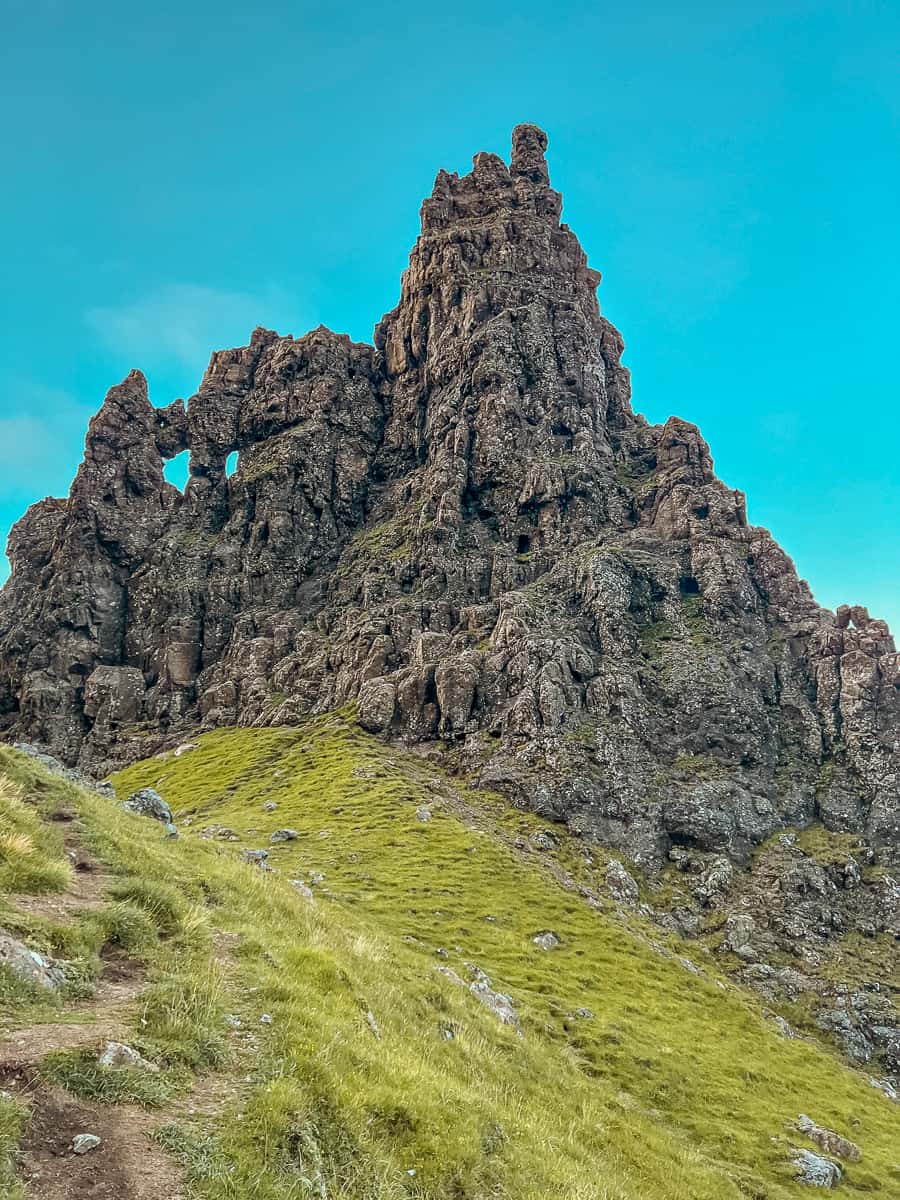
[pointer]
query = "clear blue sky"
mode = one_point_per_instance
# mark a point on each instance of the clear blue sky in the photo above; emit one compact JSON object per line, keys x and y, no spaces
{"x":177,"y":173}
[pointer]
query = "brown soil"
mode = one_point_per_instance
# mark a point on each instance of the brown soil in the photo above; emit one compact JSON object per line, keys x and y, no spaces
{"x":127,"y":1165}
{"x":102,"y":1018}
{"x":84,"y":893}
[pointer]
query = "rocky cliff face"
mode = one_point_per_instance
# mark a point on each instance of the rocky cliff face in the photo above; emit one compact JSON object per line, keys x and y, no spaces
{"x":467,"y":531}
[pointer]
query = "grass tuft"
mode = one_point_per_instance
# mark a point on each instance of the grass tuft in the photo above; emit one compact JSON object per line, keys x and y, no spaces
{"x":80,"y":1073}
{"x":31,"y":856}
{"x":13,"y":1119}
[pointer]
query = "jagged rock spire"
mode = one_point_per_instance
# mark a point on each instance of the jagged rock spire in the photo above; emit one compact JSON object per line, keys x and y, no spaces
{"x":529,"y":144}
{"x":498,"y":331}
{"x":466,"y":531}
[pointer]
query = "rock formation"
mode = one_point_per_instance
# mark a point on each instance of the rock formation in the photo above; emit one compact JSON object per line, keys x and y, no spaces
{"x":465,"y":530}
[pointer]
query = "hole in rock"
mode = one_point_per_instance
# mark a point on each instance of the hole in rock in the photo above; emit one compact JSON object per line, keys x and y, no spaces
{"x":702,"y":511}
{"x":688,"y":586}
{"x":524,"y":544}
{"x":176,"y":470}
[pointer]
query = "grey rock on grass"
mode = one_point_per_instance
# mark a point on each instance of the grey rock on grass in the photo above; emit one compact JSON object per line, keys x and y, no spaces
{"x":547,"y":940}
{"x":28,"y":965}
{"x":284,"y":835}
{"x":119,"y":1056}
{"x":256,"y":858}
{"x":147,"y":802}
{"x":828,"y":1140}
{"x":814,"y":1170}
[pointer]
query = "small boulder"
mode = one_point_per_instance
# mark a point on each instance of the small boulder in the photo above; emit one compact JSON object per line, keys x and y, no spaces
{"x":83,"y":1143}
{"x":269,"y":806}
{"x":376,"y":704}
{"x":28,"y":965}
{"x":828,"y":1140}
{"x":739,"y":929}
{"x":542,"y":840}
{"x":499,"y":1003}
{"x":621,"y":885}
{"x":423,"y":813}
{"x":715,"y":881}
{"x":547,"y":940}
{"x":885,"y":1086}
{"x":256,"y":858}
{"x":814,"y":1170}
{"x":82,"y":861}
{"x":118,"y":1056}
{"x":220,"y":832}
{"x":147,"y":802}
{"x":305,"y":891}
{"x":284,"y":835}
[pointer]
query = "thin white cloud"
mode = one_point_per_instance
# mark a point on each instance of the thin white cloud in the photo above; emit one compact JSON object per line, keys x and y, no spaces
{"x":182,"y":323}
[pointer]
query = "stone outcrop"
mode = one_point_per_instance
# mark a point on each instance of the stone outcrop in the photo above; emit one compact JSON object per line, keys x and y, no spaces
{"x":28,"y":965}
{"x":465,"y":530}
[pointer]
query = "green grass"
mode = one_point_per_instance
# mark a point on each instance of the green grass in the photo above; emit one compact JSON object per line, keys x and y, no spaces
{"x":828,"y":848}
{"x":677,"y":1089}
{"x":79,"y":1072}
{"x":31,"y":854}
{"x":13,"y":1119}
{"x":19,"y":996}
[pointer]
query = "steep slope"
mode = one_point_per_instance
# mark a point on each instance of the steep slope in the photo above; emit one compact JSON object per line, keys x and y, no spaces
{"x":356,"y":1047}
{"x":466,"y":530}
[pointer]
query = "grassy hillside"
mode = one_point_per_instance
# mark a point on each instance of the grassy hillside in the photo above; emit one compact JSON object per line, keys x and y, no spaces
{"x":636,"y":1074}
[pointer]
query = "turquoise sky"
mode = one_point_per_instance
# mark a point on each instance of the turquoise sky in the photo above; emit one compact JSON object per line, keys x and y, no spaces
{"x":180,"y":172}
